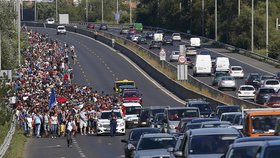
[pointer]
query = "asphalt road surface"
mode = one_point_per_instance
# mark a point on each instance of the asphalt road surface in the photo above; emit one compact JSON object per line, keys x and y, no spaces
{"x":98,"y":66}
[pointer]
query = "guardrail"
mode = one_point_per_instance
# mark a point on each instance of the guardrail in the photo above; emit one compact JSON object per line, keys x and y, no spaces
{"x":231,"y":48}
{"x":163,"y":79}
{"x":6,"y":144}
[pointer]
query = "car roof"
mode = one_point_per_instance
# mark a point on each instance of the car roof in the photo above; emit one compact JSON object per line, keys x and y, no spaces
{"x":201,"y":119}
{"x":152,"y":135}
{"x":253,"y":139}
{"x":228,"y":106}
{"x":231,"y":113}
{"x":131,"y":104}
{"x":214,"y":131}
{"x":215,"y":122}
{"x":105,"y":111}
{"x":175,"y":108}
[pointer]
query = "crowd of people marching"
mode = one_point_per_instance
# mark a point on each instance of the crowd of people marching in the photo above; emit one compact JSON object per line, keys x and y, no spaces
{"x":47,"y":71}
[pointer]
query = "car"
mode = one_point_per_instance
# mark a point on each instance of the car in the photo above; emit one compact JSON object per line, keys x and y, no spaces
{"x":204,"y":52}
{"x":246,"y":92}
{"x":90,"y":25}
{"x":236,"y":71}
{"x":229,"y":116}
{"x":220,"y":109}
{"x":135,"y":37}
{"x":174,"y":56}
{"x":262,"y":94}
{"x":222,"y":64}
{"x":124,"y":82}
{"x":157,"y":121}
{"x":215,"y":124}
{"x":50,"y":21}
{"x":217,"y":77}
{"x":155,"y":44}
{"x":61,"y":30}
{"x":256,"y":139}
{"x":132,"y":30}
{"x":144,"y":118}
{"x":178,"y":147}
{"x":154,"y":145}
{"x":125,"y":87}
{"x":138,"y":27}
{"x":129,"y":35}
{"x":273,"y":83}
{"x":167,"y":40}
{"x":133,"y":138}
{"x":278,"y":75}
{"x":203,"y":106}
{"x":182,"y":124}
{"x":176,"y":37}
{"x":189,"y":62}
{"x":124,"y":30}
{"x":273,"y":101}
{"x":190,"y":125}
{"x":266,"y":77}
{"x":103,"y":26}
{"x":173,"y":115}
{"x":103,"y":122}
{"x":131,"y":96}
{"x":202,"y":65}
{"x":130,"y":113}
{"x":149,"y":35}
{"x":142,"y":40}
{"x":207,"y":142}
{"x":227,"y":82}
{"x":195,"y":42}
{"x":191,"y":51}
{"x":252,"y":79}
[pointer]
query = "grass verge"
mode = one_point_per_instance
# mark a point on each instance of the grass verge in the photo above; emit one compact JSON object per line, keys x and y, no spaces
{"x":17,"y":145}
{"x":4,"y":130}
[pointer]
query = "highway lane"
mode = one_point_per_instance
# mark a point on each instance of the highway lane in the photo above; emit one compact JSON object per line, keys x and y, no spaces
{"x":249,"y":65}
{"x":97,"y":66}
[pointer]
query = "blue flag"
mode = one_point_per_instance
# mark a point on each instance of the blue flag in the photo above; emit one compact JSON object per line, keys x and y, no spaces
{"x":52,"y":99}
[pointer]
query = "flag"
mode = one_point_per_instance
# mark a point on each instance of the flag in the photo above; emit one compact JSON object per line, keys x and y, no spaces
{"x":52,"y":99}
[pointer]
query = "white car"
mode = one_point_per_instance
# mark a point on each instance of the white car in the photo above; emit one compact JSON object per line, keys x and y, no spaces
{"x":50,"y":21}
{"x":103,"y":122}
{"x":174,"y":56}
{"x":176,"y":37}
{"x":135,"y":37}
{"x":236,"y":71}
{"x":130,"y":113}
{"x":191,"y":51}
{"x":246,"y":92}
{"x":61,"y":30}
{"x":272,"y":83}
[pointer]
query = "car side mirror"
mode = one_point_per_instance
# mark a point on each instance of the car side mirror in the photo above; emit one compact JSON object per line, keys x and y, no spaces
{"x":171,"y":149}
{"x":124,"y":141}
{"x":178,"y":154}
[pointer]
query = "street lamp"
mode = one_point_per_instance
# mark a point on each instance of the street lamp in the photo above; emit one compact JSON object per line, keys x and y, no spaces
{"x":117,"y":14}
{"x":267,"y":27}
{"x":202,"y":17}
{"x":35,"y":10}
{"x":86,"y":10}
{"x":102,"y":10}
{"x":216,"y":21}
{"x":238,"y":7}
{"x":56,"y":10}
{"x":18,"y":29}
{"x":130,"y":16}
{"x":252,"y":27}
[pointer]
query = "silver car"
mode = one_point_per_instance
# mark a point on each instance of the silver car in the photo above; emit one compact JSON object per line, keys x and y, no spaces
{"x":227,"y":82}
{"x":154,"y":145}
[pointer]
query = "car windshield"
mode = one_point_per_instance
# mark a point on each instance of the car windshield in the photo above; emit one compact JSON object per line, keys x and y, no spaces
{"x":266,"y":91}
{"x":247,"y":88}
{"x":160,"y":117}
{"x":176,"y":52}
{"x":274,"y":99}
{"x":267,"y":77}
{"x":246,"y":152}
{"x":118,"y":84}
{"x":228,"y":117}
{"x":272,"y":82}
{"x":176,"y":34}
{"x":177,"y":114}
{"x":132,"y":110}
{"x":228,"y":109}
{"x":202,"y":107}
{"x":61,"y":28}
{"x":156,"y":111}
{"x":236,"y":68}
{"x":272,"y":152}
{"x":210,"y":144}
{"x":227,"y":78}
{"x":136,"y":134}
{"x":157,"y":143}
{"x":238,"y":120}
{"x":220,"y":74}
{"x":215,"y":125}
{"x":129,"y":94}
{"x":264,"y":124}
{"x":254,"y":77}
{"x":106,"y":115}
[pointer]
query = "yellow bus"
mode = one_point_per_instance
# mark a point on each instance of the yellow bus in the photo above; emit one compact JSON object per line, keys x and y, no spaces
{"x":123,"y":83}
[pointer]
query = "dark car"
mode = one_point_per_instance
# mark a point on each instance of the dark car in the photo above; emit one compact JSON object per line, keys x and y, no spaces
{"x":142,"y":40}
{"x":203,"y":106}
{"x":155,"y":44}
{"x":189,"y":62}
{"x":124,"y":30}
{"x":144,"y":118}
{"x":149,"y":35}
{"x":183,"y":122}
{"x":218,"y":76}
{"x":226,"y":108}
{"x":91,"y":26}
{"x":278,"y":75}
{"x":204,"y":52}
{"x":253,"y":79}
{"x":262,"y":94}
{"x":167,"y":40}
{"x":273,"y":101}
{"x":103,"y":27}
{"x":129,"y":35}
{"x":133,"y":138}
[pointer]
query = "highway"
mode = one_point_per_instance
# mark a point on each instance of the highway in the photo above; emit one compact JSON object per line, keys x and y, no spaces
{"x":249,"y":65}
{"x":98,"y":66}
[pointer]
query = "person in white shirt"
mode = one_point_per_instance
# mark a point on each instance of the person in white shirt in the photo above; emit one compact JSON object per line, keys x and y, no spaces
{"x":83,"y":122}
{"x":54,"y":125}
{"x":70,"y":128}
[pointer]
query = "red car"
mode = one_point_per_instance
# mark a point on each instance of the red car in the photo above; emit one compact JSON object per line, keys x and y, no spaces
{"x":91,"y":26}
{"x":131,"y":96}
{"x":273,"y":101}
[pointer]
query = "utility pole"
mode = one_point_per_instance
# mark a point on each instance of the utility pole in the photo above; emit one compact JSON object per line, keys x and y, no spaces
{"x":86,"y":10}
{"x":0,"y":50}
{"x":202,"y":17}
{"x":56,"y":10}
{"x":252,"y":27}
{"x":18,"y":29}
{"x":117,"y":12}
{"x":158,"y":14}
{"x":216,"y":21}
{"x":21,"y":9}
{"x":102,"y":11}
{"x":130,"y":12}
{"x":266,"y":27}
{"x":35,"y":10}
{"x":238,"y":7}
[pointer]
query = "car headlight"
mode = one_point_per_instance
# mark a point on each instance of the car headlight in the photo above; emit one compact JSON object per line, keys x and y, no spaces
{"x":171,"y":126}
{"x":99,"y":125}
{"x":122,"y":124}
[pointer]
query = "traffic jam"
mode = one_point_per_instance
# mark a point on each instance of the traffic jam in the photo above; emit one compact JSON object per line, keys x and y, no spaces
{"x":199,"y":129}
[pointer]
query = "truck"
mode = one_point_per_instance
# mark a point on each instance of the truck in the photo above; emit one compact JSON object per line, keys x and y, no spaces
{"x":138,"y":27}
{"x":260,"y":122}
{"x":158,"y":37}
{"x":64,"y":19}
{"x":195,"y":42}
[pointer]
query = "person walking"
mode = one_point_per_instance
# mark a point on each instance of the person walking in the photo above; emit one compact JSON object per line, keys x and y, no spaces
{"x":38,"y":122}
{"x":113,"y":124}
{"x":83,"y":121}
{"x":70,"y":128}
{"x":54,"y":125}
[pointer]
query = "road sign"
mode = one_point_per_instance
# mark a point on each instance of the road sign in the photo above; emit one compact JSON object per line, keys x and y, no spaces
{"x":182,"y":59}
{"x":162,"y":54}
{"x":182,"y":72}
{"x":182,"y":49}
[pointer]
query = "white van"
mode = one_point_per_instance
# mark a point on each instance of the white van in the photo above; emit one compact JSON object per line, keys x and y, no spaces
{"x":202,"y":65}
{"x":195,"y":42}
{"x":222,"y":64}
